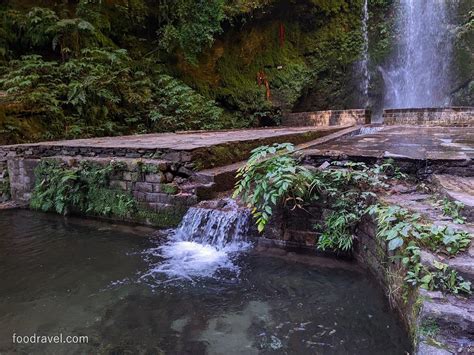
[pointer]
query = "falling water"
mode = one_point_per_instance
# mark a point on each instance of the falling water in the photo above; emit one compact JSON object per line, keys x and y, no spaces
{"x":419,"y":74}
{"x":365,"y":54}
{"x":206,"y":241}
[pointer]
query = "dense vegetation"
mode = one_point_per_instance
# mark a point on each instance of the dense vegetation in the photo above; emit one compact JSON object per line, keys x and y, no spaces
{"x":89,"y":67}
{"x":275,"y":178}
{"x":85,"y":189}
{"x":84,"y":68}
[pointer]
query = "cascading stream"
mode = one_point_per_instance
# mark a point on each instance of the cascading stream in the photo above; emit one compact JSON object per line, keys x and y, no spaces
{"x":419,"y":73}
{"x":205,"y":243}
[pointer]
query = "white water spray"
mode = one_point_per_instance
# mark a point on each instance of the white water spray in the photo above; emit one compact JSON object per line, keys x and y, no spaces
{"x":419,"y":75}
{"x":206,"y":241}
{"x":365,"y":54}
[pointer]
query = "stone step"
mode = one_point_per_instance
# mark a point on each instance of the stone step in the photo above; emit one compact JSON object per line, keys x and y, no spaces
{"x":457,"y":189}
{"x":452,"y":318}
{"x":463,"y":263}
{"x":222,"y":178}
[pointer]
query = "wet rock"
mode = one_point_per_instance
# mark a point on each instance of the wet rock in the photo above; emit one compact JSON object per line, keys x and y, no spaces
{"x":426,"y":349}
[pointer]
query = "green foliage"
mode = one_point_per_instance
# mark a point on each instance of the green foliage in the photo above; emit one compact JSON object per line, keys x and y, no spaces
{"x":101,"y":93}
{"x":398,"y":226}
{"x":177,"y":107}
{"x":174,"y":46}
{"x":5,"y":186}
{"x":406,"y":233}
{"x":336,"y":233}
{"x":273,"y":176}
{"x":270,"y":177}
{"x":452,"y":209}
{"x":191,"y":25}
{"x":441,"y":278}
{"x":63,"y":190}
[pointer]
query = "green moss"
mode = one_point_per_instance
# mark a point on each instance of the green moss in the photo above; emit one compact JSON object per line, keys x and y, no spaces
{"x":79,"y":189}
{"x":5,"y":187}
{"x":166,"y":218}
{"x":169,"y":189}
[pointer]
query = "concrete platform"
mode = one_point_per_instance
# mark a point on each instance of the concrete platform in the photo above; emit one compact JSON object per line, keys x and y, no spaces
{"x":205,"y":149}
{"x":425,"y":150}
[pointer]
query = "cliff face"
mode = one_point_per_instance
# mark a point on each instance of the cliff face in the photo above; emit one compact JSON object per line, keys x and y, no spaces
{"x":304,"y":50}
{"x":463,"y":66}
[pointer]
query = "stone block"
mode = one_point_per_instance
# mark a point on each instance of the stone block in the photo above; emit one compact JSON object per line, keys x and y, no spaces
{"x":156,"y":197}
{"x":155,"y":178}
{"x":130,"y":176}
{"x":143,"y":187}
{"x":184,"y":199}
{"x":118,"y":184}
{"x":139,"y":196}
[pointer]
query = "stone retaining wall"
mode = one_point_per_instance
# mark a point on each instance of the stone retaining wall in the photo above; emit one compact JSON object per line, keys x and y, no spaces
{"x":295,"y":230}
{"x":4,"y":182}
{"x":452,"y":116}
{"x":327,"y":118}
{"x":418,"y":309}
{"x":158,"y":187}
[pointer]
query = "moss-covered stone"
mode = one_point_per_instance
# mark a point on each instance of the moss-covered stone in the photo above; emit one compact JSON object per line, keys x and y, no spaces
{"x":165,"y":218}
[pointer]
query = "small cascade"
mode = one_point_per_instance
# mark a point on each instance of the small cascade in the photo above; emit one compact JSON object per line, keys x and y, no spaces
{"x":205,"y":243}
{"x":365,"y":54}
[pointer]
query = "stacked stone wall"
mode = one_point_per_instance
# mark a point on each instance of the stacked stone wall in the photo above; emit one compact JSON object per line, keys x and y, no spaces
{"x":450,"y":117}
{"x":294,"y":230}
{"x":327,"y":118}
{"x":4,"y":182}
{"x":158,"y":187}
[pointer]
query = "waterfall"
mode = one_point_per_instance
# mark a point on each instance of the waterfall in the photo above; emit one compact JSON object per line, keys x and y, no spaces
{"x":206,"y":242}
{"x":365,"y":54}
{"x":419,"y":73}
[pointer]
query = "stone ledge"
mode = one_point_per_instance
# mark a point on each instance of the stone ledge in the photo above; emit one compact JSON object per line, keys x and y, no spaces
{"x":450,"y":116}
{"x":327,"y":118}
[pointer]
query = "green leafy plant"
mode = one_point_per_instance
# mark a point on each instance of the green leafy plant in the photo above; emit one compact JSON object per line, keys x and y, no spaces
{"x":84,"y":188}
{"x":396,"y":225}
{"x":274,"y":176}
{"x":5,"y":186}
{"x":406,"y":233}
{"x":452,"y":209}
{"x":270,"y":177}
{"x":441,"y":278}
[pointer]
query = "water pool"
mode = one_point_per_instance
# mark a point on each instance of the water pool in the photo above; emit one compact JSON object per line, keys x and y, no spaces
{"x":77,"y":277}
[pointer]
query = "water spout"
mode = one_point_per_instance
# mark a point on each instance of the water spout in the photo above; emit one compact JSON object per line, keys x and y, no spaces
{"x":206,"y":242}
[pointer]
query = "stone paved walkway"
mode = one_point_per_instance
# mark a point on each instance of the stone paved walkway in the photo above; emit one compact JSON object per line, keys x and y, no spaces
{"x":186,"y":141}
{"x":410,"y":142}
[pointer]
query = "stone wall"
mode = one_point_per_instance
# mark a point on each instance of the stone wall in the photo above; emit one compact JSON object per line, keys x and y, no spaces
{"x":327,"y":118}
{"x":293,"y":230}
{"x":4,"y":182}
{"x":160,"y":188}
{"x":22,"y":179}
{"x":452,"y":117}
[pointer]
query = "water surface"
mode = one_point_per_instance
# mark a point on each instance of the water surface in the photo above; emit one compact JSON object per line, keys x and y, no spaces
{"x":78,"y":277}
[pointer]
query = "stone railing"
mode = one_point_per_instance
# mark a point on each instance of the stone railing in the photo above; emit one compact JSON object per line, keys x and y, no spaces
{"x":327,"y":118}
{"x":450,"y":116}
